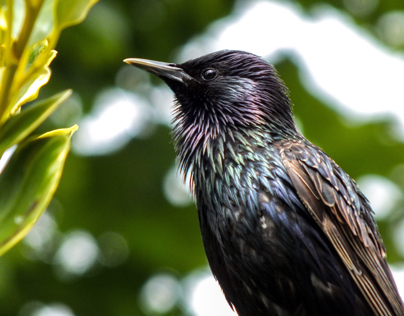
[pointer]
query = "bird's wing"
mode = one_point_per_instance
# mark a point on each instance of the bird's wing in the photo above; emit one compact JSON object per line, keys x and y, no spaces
{"x":345,"y":216}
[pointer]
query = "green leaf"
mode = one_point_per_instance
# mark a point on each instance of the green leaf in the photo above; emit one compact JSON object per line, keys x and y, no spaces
{"x":17,"y":18}
{"x":19,"y":126}
{"x":71,"y":12}
{"x":28,"y":183}
{"x":29,"y":91}
{"x":44,"y":23}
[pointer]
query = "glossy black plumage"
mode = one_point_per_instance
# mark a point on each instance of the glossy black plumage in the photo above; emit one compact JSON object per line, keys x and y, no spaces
{"x":285,"y":229}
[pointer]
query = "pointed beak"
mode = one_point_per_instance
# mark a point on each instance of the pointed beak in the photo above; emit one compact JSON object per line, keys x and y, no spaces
{"x":160,"y":69}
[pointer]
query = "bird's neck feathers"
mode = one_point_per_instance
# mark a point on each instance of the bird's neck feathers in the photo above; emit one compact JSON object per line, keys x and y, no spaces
{"x":205,"y":153}
{"x":204,"y":146}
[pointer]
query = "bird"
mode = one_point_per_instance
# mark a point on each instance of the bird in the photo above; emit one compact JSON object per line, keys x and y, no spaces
{"x":286,"y":231}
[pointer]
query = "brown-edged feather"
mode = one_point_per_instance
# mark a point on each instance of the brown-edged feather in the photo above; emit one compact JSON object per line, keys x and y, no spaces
{"x":345,"y":216}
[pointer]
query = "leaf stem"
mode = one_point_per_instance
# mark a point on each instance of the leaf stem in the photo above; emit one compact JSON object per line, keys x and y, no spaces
{"x":31,"y":15}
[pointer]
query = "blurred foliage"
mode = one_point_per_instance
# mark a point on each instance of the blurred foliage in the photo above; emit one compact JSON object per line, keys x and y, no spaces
{"x":32,"y":175}
{"x":122,"y":193}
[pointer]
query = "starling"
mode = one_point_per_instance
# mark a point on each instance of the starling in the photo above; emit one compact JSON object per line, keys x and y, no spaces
{"x":286,"y":231}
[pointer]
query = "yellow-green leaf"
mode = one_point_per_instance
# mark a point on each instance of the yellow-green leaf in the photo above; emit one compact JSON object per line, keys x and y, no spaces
{"x":60,"y":132}
{"x":44,"y":23}
{"x":38,"y":79}
{"x":28,"y":183}
{"x":19,"y":126}
{"x":16,"y":21}
{"x":71,"y":12}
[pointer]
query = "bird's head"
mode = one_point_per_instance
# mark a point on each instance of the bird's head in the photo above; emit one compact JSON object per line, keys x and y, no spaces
{"x":222,"y":91}
{"x":225,"y":89}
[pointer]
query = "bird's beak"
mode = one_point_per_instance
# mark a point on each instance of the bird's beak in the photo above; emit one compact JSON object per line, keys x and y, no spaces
{"x":160,"y":69}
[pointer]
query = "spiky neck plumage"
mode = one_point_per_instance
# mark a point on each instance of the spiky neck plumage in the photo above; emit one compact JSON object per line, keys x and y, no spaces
{"x":206,"y":151}
{"x":205,"y":147}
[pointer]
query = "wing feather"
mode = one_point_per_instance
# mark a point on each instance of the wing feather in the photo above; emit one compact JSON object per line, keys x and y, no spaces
{"x":345,"y":216}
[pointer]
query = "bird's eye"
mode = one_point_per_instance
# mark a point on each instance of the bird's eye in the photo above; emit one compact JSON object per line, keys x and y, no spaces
{"x":209,"y":74}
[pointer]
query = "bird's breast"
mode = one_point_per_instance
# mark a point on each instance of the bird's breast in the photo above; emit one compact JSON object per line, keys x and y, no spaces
{"x":234,"y":184}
